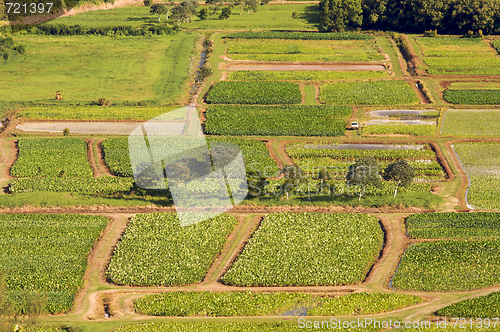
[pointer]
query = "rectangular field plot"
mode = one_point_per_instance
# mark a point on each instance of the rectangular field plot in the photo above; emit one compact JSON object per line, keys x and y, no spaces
{"x":471,"y":123}
{"x":481,"y":163}
{"x":277,"y":120}
{"x":459,"y":56}
{"x":254,"y":92}
{"x":480,"y":307}
{"x":400,"y":122}
{"x":449,"y":266}
{"x":255,"y":154}
{"x":335,"y":159}
{"x":46,"y":255}
{"x":472,"y":97}
{"x":156,"y":250}
{"x":227,"y":304}
{"x":304,"y":50}
{"x":303,"y":75}
{"x":368,"y":93}
{"x":449,"y":225}
{"x":60,"y":165}
{"x":296,"y":249}
{"x":90,"y":67}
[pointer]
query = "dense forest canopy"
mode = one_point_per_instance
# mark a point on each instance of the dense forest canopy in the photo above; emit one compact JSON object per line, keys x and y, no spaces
{"x":447,"y":16}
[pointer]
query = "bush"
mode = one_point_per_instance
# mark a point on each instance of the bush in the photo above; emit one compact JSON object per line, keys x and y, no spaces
{"x":148,"y":3}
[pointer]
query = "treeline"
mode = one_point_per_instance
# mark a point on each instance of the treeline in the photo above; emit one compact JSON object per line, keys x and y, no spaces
{"x":75,"y":30}
{"x":445,"y":16}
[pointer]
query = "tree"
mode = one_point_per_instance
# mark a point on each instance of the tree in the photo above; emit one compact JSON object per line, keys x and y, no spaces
{"x":336,"y":15}
{"x":250,"y":5}
{"x":182,"y":12}
{"x":203,"y":13}
{"x":401,"y":172}
{"x":148,"y":3}
{"x":159,"y":9}
{"x":266,"y":3}
{"x":225,"y":13}
{"x":364,"y":172}
{"x":293,"y":178}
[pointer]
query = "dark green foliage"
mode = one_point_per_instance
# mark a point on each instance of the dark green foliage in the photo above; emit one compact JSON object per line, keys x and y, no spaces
{"x":298,"y":35}
{"x":158,"y":9}
{"x":337,"y":15}
{"x":225,"y":13}
{"x":293,"y":177}
{"x":365,"y":172}
{"x":401,"y":172}
{"x":496,"y":44}
{"x":487,"y":306}
{"x":76,"y":30}
{"x":203,"y":13}
{"x":450,"y":225}
{"x":277,"y":120}
{"x":148,"y":3}
{"x":472,"y":97}
{"x":254,"y":92}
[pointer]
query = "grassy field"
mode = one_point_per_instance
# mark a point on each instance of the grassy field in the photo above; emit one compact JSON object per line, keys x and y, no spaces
{"x":86,"y":68}
{"x":471,"y":123}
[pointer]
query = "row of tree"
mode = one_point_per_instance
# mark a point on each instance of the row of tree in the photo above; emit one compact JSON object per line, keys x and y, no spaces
{"x":446,"y":16}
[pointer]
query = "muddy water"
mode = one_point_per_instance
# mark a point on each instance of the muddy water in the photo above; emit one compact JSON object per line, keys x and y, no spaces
{"x":396,"y":122}
{"x":255,"y":66}
{"x":405,"y":112}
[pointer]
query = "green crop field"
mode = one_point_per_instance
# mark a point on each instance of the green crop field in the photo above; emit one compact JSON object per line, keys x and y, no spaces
{"x":399,"y":129}
{"x":464,"y":226}
{"x":284,"y":251}
{"x":471,"y":123}
{"x":277,"y":120}
{"x":87,"y":68}
{"x":105,"y":185}
{"x":449,"y":266}
{"x":487,"y":306}
{"x":254,"y":92}
{"x":368,"y":93}
{"x":294,"y":35}
{"x":475,"y":85}
{"x":255,"y":155}
{"x":71,"y":112}
{"x":303,"y":76}
{"x":458,"y":56}
{"x":481,"y":162}
{"x":216,"y":304}
{"x":156,"y":250}
{"x":472,"y":97}
{"x":46,"y":255}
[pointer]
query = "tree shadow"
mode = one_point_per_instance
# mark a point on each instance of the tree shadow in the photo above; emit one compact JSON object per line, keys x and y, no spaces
{"x":310,"y":14}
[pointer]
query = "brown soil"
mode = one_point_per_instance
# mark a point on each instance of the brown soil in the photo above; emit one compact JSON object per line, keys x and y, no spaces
{"x":388,"y":233}
{"x":104,"y":169}
{"x":90,"y":157}
{"x":316,"y":89}
{"x":285,"y":65}
{"x":419,"y":92}
{"x":302,"y":85}
{"x":463,"y":177}
{"x":442,"y":160}
{"x":282,"y":151}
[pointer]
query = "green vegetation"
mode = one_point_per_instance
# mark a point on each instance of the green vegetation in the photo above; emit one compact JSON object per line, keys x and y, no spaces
{"x":298,"y":35}
{"x":46,"y":255}
{"x":487,"y":306}
{"x":449,"y":266}
{"x":277,"y":120}
{"x":157,"y":251}
{"x":368,"y":93}
{"x":475,"y":85}
{"x":399,"y":129}
{"x":301,"y":76}
{"x":285,"y":250}
{"x":83,"y":67}
{"x":481,"y":164}
{"x":105,"y":185}
{"x":472,"y":97}
{"x":214,"y":304}
{"x":255,"y":155}
{"x":458,"y":56}
{"x":68,"y":158}
{"x":73,"y":112}
{"x":254,"y":92}
{"x":309,"y":57}
{"x":449,"y":225}
{"x":471,"y":123}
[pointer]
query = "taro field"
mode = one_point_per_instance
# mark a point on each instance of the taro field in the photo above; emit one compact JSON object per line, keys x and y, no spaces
{"x":471,"y":123}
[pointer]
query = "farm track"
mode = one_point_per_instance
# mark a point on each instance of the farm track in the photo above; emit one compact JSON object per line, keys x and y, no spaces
{"x":8,"y":158}
{"x":100,"y":157}
{"x":91,"y":158}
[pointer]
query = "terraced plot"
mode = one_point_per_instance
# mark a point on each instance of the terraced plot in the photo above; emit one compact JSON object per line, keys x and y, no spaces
{"x":46,"y":255}
{"x":487,"y":306}
{"x":471,"y":123}
{"x":472,"y":97}
{"x":303,"y":75}
{"x":296,"y":249}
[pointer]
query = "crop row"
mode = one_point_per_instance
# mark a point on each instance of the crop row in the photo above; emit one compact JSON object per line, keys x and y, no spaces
{"x":255,"y":155}
{"x":157,"y":251}
{"x":472,"y":97}
{"x":471,"y":123}
{"x":368,"y":93}
{"x":309,"y":57}
{"x":50,"y":157}
{"x":254,"y":92}
{"x":481,"y":162}
{"x":449,"y":266}
{"x":216,"y":304}
{"x":296,"y":249}
{"x":277,"y":120}
{"x":298,"y":35}
{"x":46,"y":254}
{"x":466,"y":226}
{"x":302,"y":75}
{"x":487,"y":306}
{"x":399,"y":129}
{"x":106,"y":185}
